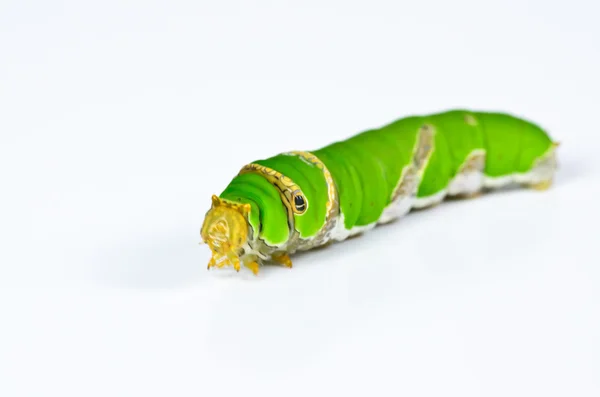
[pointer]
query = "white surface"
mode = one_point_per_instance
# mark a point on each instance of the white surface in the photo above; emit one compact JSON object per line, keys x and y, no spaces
{"x":119,"y":120}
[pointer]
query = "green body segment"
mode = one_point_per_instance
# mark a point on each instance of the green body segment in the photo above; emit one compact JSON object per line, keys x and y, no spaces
{"x":457,"y":134}
{"x":462,"y":133}
{"x":512,"y":144}
{"x":377,"y":158}
{"x":439,"y":169}
{"x":368,"y":167}
{"x":502,"y":143}
{"x":347,"y":182}
{"x":369,"y":171}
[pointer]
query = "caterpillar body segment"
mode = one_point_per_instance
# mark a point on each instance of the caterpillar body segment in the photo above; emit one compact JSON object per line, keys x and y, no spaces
{"x":301,"y":200}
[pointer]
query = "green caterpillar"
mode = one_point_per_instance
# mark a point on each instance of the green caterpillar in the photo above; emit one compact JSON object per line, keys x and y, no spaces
{"x":301,"y":200}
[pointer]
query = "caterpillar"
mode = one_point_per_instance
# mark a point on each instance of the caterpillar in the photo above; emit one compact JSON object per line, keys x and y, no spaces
{"x":300,"y":200}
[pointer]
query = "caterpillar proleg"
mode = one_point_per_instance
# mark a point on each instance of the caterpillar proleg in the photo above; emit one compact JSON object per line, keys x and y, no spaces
{"x":301,"y":200}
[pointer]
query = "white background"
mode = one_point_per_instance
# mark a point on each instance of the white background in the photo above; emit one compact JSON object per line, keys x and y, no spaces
{"x":119,"y":119}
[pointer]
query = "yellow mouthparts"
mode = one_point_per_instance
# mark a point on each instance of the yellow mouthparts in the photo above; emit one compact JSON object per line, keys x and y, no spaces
{"x":225,"y":230}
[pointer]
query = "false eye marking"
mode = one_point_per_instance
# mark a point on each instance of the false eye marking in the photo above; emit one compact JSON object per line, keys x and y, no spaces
{"x":299,"y":203}
{"x":333,"y":203}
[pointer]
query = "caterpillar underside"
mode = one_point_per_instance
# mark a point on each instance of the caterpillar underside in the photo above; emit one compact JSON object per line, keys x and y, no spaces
{"x":301,"y":200}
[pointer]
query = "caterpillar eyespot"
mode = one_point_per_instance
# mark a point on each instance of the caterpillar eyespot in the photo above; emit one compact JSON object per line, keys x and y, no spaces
{"x":299,"y":203}
{"x":300,"y":200}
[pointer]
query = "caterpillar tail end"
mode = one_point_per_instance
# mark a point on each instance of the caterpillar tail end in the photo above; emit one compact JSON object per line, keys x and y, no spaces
{"x":546,"y":168}
{"x":225,"y":230}
{"x":542,"y":186}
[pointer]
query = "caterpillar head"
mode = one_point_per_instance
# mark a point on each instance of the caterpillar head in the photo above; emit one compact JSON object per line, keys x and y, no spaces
{"x":225,"y":230}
